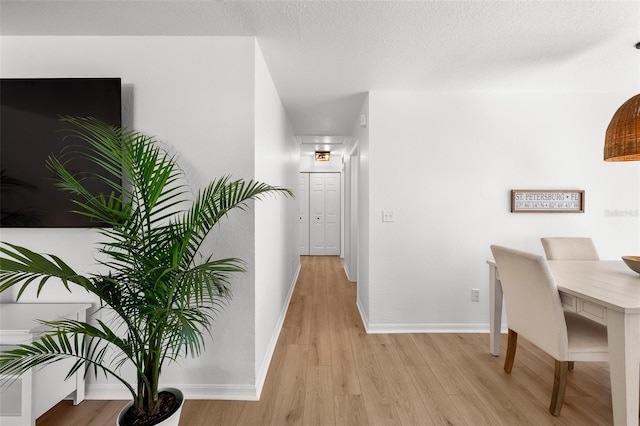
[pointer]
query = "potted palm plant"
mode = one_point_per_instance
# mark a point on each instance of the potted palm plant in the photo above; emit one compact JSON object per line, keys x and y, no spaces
{"x":157,"y":283}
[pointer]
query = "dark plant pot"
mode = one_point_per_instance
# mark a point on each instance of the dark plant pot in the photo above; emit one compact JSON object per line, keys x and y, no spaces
{"x":171,"y":418}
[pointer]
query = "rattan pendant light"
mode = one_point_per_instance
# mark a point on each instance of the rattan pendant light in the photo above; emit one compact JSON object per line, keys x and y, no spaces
{"x":622,"y":140}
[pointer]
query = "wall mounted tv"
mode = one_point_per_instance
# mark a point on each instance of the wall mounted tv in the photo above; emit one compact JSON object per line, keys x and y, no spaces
{"x":30,"y":111}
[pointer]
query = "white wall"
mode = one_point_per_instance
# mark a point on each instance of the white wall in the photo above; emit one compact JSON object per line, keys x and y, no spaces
{"x":277,"y":262}
{"x":197,"y":94}
{"x":445,"y":163}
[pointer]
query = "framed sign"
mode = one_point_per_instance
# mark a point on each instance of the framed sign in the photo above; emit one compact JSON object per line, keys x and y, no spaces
{"x":545,"y":201}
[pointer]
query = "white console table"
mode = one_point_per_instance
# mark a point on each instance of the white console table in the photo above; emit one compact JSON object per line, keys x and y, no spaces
{"x":36,"y":391}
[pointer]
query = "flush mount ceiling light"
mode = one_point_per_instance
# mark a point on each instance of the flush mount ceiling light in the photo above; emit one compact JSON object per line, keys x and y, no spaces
{"x":323,"y":155}
{"x":622,"y":140}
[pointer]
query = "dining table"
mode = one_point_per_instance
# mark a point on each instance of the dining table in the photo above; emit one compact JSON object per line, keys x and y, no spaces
{"x":605,"y":291}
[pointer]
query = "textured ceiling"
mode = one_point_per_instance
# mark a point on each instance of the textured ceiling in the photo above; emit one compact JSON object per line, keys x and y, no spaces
{"x":325,"y":55}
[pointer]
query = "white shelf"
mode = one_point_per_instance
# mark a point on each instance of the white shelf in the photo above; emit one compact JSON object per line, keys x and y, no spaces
{"x":36,"y":391}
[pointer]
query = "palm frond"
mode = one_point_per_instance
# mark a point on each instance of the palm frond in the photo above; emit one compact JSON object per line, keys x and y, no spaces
{"x":21,"y":265}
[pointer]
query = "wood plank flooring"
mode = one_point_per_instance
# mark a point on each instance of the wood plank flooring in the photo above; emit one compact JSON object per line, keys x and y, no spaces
{"x":327,"y":371}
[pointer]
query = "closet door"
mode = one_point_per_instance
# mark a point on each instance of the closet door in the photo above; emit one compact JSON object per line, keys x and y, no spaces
{"x":332,"y":214}
{"x":324,"y":212}
{"x":303,"y":208}
{"x":316,"y":213}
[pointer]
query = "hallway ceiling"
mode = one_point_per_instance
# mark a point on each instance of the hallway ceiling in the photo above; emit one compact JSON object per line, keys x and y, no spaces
{"x":325,"y":55}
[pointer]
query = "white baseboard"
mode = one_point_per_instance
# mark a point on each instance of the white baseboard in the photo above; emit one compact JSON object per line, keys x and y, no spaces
{"x":426,"y":328}
{"x":191,"y":391}
{"x":363,"y":316}
{"x":346,"y":272}
{"x":261,"y":373}
{"x":422,"y":328}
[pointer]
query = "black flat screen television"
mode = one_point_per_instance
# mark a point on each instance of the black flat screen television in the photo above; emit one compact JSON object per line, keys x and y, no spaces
{"x":30,"y":131}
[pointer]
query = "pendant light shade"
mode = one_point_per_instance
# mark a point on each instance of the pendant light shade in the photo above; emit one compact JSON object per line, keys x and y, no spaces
{"x":622,"y":140}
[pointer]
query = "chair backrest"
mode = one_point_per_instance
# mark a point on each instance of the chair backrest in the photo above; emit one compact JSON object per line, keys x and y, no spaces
{"x":532,"y":300}
{"x":569,"y":248}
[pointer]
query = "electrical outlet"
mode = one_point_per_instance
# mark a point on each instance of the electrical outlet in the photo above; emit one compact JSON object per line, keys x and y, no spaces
{"x":475,"y":294}
{"x":388,"y":216}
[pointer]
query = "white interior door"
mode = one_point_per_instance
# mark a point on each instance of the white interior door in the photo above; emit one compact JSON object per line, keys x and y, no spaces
{"x":324,"y":213}
{"x":303,"y":209}
{"x":316,"y":213}
{"x":332,"y":214}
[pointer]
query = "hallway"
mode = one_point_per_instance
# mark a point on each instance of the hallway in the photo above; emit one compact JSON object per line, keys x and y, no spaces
{"x":326,"y":370}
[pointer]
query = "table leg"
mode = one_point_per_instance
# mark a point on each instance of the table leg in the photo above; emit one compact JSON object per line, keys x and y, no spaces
{"x":26,"y":412}
{"x":495,"y":311}
{"x":624,"y":366}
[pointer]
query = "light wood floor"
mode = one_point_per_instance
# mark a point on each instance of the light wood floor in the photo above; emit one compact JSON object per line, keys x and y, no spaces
{"x":327,"y":371}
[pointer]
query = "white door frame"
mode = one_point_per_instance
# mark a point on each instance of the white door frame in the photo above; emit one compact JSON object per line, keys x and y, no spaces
{"x":351,"y":214}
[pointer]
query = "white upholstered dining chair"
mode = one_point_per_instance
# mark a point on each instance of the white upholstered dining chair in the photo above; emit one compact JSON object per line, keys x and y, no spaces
{"x":569,"y":248}
{"x":535,"y":312}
